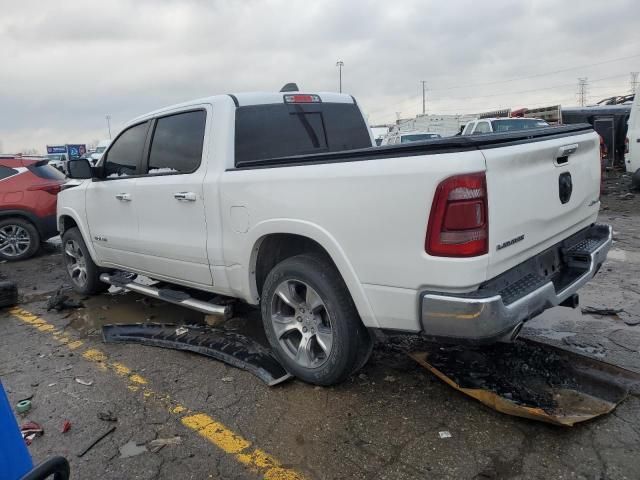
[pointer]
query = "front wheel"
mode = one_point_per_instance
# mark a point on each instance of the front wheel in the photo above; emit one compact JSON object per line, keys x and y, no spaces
{"x":83,"y":273}
{"x":311,"y":321}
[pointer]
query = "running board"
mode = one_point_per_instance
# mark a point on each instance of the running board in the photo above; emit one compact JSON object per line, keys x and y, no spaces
{"x":177,"y":297}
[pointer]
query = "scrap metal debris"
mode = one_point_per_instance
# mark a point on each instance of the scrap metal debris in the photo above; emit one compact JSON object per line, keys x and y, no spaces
{"x":444,"y":434}
{"x":107,"y":416}
{"x":232,"y":348}
{"x":86,"y":383}
{"x":605,"y":312}
{"x":66,"y":426}
{"x":95,"y":441}
{"x":31,"y":430}
{"x":157,"y":444}
{"x":61,"y":301}
{"x":532,"y":380}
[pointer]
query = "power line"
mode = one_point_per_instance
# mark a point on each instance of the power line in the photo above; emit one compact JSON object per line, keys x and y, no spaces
{"x":536,"y":74}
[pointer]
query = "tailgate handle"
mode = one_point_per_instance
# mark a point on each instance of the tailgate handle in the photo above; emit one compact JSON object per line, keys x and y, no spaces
{"x":563,"y":153}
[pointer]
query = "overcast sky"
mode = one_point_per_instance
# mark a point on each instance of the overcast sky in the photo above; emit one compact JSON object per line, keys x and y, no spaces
{"x":65,"y":64}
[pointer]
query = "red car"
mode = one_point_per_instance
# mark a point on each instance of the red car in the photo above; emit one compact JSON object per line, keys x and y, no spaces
{"x":28,"y":194}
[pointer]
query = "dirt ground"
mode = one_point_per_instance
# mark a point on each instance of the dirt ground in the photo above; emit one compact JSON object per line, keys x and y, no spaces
{"x":383,"y":423}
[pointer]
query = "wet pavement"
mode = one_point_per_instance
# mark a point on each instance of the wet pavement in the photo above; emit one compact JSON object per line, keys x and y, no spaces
{"x":386,"y":422}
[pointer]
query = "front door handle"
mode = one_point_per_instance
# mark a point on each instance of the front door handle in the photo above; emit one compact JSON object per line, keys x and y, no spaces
{"x":123,"y":197}
{"x":185,"y":196}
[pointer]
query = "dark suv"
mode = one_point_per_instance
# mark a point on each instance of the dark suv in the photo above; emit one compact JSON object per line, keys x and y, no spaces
{"x":28,"y":194}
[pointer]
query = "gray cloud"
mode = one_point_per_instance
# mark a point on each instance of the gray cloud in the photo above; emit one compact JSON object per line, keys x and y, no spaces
{"x":67,"y":64}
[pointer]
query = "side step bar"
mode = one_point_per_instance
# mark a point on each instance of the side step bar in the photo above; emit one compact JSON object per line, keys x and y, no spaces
{"x":172,"y":296}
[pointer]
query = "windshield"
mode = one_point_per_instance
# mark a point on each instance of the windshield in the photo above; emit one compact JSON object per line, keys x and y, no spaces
{"x":418,"y":137}
{"x":55,"y":157}
{"x":100,"y":149}
{"x":42,"y":170}
{"x":517,"y":124}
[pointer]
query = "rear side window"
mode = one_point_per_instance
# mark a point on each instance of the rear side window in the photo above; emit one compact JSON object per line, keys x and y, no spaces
{"x":6,"y":172}
{"x":280,"y":130}
{"x":46,"y":171}
{"x":468,"y":128}
{"x":482,"y":127}
{"x":126,"y":152}
{"x":177,"y":143}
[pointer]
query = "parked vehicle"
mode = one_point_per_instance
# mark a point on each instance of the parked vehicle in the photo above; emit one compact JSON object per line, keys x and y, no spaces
{"x":408,"y":137}
{"x":492,"y":125}
{"x":100,"y":148}
{"x":632,"y":143}
{"x":59,"y":155}
{"x":280,"y":200}
{"x":28,"y":190}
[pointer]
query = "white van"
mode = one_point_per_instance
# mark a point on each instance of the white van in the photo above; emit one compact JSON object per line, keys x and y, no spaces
{"x":632,"y":147}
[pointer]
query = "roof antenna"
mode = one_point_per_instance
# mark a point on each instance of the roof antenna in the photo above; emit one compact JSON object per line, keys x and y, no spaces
{"x":290,"y":87}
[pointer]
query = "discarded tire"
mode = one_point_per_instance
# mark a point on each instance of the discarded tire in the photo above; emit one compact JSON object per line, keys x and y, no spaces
{"x":8,"y":294}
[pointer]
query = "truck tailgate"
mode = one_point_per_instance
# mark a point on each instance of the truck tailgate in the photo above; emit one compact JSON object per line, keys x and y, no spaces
{"x":539,"y":193}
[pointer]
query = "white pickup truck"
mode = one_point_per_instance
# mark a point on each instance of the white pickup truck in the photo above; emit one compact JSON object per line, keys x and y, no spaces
{"x":280,"y":200}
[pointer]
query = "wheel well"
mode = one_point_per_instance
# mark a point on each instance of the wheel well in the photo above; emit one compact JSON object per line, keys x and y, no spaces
{"x":66,"y":223}
{"x":277,"y":247}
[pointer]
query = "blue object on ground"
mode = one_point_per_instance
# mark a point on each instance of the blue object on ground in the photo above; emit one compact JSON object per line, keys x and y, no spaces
{"x":15,"y":460}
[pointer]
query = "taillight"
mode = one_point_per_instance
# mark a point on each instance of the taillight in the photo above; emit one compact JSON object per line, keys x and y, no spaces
{"x":52,"y":188}
{"x":458,"y":224}
{"x":626,"y":145}
{"x":301,"y":98}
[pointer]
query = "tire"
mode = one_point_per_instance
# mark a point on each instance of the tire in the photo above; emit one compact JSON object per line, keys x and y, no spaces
{"x":83,"y":273}
{"x":8,"y":293}
{"x":305,"y":303}
{"x":635,"y":180}
{"x":19,"y":239}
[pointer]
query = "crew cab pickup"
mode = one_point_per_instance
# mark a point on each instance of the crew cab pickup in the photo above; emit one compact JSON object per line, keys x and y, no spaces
{"x":281,"y":200}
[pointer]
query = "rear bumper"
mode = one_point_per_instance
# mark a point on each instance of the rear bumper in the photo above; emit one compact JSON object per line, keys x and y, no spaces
{"x":501,"y":305}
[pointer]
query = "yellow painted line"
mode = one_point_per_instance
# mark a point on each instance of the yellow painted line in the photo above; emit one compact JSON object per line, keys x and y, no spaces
{"x":215,"y":432}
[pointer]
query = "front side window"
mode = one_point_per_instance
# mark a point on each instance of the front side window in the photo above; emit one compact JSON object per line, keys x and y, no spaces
{"x":482,"y":127}
{"x":125,"y":153}
{"x":177,"y":143}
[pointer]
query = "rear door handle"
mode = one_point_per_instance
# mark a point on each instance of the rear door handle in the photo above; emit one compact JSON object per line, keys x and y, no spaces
{"x":123,"y":197}
{"x":185,"y":196}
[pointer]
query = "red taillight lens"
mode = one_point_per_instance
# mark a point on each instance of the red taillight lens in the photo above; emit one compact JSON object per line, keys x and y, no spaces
{"x":301,"y":98}
{"x":52,"y":188}
{"x":458,"y":224}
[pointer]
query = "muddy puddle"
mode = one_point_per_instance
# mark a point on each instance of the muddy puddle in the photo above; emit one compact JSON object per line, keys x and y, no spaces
{"x":129,"y":307}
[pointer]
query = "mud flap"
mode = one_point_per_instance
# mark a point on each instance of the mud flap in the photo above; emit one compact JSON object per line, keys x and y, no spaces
{"x":232,"y":348}
{"x":596,"y":389}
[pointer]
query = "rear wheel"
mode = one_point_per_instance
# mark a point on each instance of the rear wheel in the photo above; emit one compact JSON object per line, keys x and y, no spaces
{"x":311,"y":321}
{"x":19,"y":239}
{"x":83,"y":273}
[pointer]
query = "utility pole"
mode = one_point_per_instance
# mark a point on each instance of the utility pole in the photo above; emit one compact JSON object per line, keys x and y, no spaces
{"x":633,"y":82}
{"x":582,"y":91}
{"x":340,"y":64}
{"x":424,"y":97}
{"x":108,"y":118}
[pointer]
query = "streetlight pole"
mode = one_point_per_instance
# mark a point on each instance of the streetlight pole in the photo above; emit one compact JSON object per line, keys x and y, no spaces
{"x":424,"y":99}
{"x":108,"y":117}
{"x":340,"y":64}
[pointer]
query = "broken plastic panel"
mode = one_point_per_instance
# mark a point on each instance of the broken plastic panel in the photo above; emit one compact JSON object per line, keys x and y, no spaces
{"x":232,"y":348}
{"x":592,"y":387}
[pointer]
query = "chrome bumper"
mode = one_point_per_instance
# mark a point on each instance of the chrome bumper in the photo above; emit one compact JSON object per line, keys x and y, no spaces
{"x":476,"y":318}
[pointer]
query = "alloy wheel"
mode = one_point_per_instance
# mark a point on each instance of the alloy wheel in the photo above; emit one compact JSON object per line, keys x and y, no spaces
{"x":14,"y":240}
{"x":301,"y":323}
{"x":76,"y":263}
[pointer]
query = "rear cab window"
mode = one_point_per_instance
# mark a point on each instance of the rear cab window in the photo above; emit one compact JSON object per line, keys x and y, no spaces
{"x":279,"y":130}
{"x":176,"y":146}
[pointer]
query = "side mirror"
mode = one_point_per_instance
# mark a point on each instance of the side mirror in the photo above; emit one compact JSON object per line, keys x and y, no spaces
{"x":79,"y":168}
